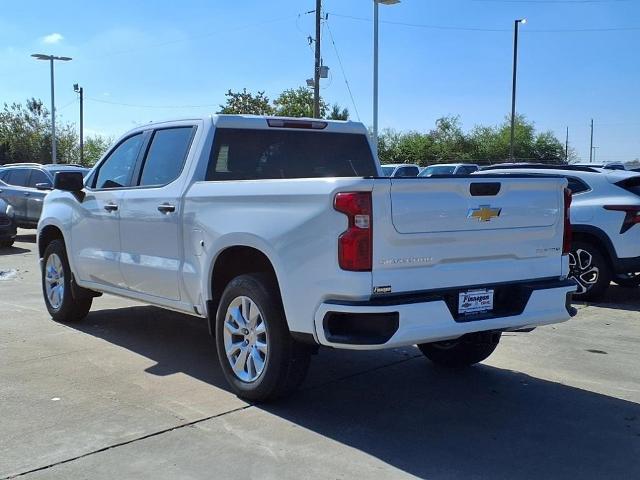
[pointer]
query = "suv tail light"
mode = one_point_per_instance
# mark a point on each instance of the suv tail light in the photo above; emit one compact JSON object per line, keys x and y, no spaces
{"x":355,"y":244}
{"x":632,"y":215}
{"x":568,"y":232}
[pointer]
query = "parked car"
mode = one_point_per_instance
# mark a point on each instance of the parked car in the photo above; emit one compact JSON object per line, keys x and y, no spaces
{"x":8,"y":229}
{"x":400,"y":170}
{"x":449,"y":169}
{"x":605,"y":211}
{"x":26,"y":185}
{"x":283,"y":235}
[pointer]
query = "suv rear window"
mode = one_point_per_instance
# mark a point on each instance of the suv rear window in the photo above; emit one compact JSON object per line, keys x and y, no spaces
{"x":245,"y":154}
{"x":577,"y":186}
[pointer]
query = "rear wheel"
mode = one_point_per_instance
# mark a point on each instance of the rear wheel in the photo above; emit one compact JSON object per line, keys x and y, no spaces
{"x":462,"y":352}
{"x":64,"y":305}
{"x":590,"y":270}
{"x":627,"y":279}
{"x":259,"y":358}
{"x":6,"y":243}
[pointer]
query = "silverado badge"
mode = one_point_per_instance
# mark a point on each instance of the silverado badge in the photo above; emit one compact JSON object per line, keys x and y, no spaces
{"x":484,"y":213}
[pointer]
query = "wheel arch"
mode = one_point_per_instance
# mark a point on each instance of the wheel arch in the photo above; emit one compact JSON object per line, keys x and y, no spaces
{"x":595,"y":236}
{"x":231,"y":262}
{"x":48,"y":234}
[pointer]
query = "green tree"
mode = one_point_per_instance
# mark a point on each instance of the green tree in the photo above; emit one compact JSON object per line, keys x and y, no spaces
{"x":338,"y":114}
{"x":246,"y":103}
{"x":94,"y":147}
{"x":297,"y":103}
{"x":448,"y":142}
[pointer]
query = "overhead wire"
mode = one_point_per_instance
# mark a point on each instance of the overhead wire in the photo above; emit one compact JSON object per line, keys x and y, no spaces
{"x":344,"y":74}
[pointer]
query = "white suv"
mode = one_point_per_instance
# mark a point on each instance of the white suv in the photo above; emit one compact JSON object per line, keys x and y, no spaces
{"x":605,"y":211}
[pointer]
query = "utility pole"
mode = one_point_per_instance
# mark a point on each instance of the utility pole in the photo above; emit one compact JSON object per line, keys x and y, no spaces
{"x":316,"y":73}
{"x":591,"y":144}
{"x":593,"y":149}
{"x":79,"y":90}
{"x":516,"y":24}
{"x":566,"y":147}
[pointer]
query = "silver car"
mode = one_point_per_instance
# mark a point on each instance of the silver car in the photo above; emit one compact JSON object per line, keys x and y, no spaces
{"x":24,"y":186}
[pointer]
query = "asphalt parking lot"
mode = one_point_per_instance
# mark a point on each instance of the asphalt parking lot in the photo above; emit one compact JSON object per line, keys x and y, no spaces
{"x":136,"y":392}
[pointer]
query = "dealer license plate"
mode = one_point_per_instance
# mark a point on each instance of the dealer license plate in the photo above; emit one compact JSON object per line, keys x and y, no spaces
{"x":475,"y":301}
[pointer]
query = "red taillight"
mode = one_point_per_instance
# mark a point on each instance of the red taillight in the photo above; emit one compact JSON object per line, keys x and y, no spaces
{"x":355,"y":244}
{"x":568,"y":233}
{"x":631,"y":218}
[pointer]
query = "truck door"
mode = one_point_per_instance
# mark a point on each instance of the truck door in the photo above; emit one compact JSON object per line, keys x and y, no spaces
{"x":150,"y":218}
{"x":95,"y":235}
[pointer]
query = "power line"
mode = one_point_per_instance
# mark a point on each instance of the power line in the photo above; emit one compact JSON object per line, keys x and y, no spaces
{"x":344,"y":75}
{"x":483,"y":29}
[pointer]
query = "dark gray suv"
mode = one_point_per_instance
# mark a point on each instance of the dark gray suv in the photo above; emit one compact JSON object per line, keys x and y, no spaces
{"x":24,"y":186}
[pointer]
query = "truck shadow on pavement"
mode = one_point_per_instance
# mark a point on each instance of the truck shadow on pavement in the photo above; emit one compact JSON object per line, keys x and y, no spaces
{"x":620,"y":298}
{"x":483,"y":422}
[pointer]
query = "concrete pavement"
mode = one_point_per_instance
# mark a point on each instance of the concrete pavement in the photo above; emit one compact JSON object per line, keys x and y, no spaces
{"x":136,"y":392}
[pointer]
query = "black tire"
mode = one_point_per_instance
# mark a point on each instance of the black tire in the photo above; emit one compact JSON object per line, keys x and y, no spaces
{"x":630,"y":280}
{"x":75,"y":303}
{"x":285,"y":361}
{"x":6,"y":243}
{"x":462,"y":352}
{"x":590,"y":270}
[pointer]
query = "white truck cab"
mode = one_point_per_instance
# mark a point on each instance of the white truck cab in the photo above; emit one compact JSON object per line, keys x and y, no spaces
{"x":285,"y":236}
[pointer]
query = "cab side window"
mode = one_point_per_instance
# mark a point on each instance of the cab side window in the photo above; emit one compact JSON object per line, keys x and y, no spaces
{"x":166,"y":156}
{"x":117,"y":170}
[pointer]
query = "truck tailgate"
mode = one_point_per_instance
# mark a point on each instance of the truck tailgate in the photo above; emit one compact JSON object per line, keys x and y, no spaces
{"x":432,"y":233}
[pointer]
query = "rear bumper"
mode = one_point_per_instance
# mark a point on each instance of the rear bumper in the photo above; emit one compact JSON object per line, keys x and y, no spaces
{"x":424,"y":317}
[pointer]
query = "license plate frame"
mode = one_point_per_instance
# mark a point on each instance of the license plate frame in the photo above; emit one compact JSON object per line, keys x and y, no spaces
{"x":475,"y":302}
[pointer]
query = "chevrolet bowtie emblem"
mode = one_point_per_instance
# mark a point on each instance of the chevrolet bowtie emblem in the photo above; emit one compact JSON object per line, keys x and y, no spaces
{"x":484,"y":213}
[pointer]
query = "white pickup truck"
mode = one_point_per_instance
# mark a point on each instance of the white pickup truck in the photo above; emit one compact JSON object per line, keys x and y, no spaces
{"x":284,"y":234}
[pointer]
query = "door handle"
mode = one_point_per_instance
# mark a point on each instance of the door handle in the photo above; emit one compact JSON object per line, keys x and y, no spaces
{"x":26,"y":194}
{"x":166,"y":208}
{"x":111,"y":207}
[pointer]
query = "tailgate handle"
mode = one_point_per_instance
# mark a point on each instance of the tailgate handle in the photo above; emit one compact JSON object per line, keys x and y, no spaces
{"x":484,"y":189}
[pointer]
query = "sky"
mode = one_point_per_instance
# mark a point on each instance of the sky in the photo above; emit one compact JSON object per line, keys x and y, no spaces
{"x":147,"y":61}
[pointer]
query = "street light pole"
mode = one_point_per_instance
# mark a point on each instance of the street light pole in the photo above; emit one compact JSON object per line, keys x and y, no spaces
{"x":53,"y":116}
{"x":513,"y":89}
{"x":375,"y":66}
{"x":51,"y":59}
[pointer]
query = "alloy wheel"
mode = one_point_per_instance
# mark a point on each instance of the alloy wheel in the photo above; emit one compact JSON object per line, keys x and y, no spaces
{"x":54,"y":281}
{"x":245,"y":339}
{"x":582,"y":270}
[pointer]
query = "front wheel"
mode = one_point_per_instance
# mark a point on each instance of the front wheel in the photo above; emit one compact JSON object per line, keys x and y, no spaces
{"x":462,"y":352}
{"x":6,"y":243}
{"x":259,"y":357}
{"x":59,"y":298}
{"x":590,"y":270}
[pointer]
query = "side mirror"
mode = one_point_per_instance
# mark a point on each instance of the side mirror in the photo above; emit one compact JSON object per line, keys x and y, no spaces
{"x":69,"y":181}
{"x":44,"y":186}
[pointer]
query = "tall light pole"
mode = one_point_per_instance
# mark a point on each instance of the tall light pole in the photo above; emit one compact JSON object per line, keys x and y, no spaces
{"x":80,"y":91}
{"x":51,"y":59}
{"x":375,"y":66}
{"x":516,"y":24}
